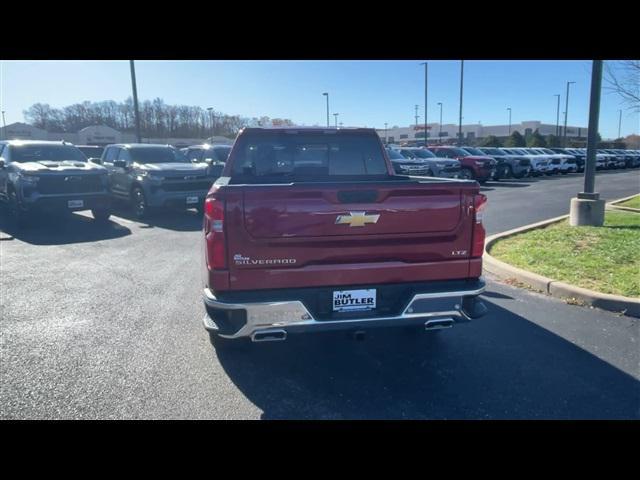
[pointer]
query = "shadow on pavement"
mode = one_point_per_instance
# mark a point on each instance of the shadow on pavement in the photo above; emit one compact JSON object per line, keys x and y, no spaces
{"x":498,"y":367}
{"x":60,"y":229}
{"x":171,"y":219}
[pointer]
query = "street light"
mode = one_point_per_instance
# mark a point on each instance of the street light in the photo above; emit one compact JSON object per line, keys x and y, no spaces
{"x":426,"y":67}
{"x":460,"y":119}
{"x":385,"y":133}
{"x":619,"y":122}
{"x":210,"y":109}
{"x":509,"y":108}
{"x":558,"y":116}
{"x":566,"y":115}
{"x":440,"y":124}
{"x":4,"y":127}
{"x":335,"y":116}
{"x":327,"y":95}
{"x":417,"y":115}
{"x":135,"y":100}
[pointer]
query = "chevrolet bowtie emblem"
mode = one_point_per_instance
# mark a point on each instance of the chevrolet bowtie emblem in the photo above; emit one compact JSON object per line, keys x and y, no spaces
{"x":356,"y":219}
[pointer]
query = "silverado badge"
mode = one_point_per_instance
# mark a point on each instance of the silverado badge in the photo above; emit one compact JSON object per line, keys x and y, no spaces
{"x":356,"y":219}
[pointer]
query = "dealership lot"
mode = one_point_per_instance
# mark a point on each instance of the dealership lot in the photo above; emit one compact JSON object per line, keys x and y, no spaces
{"x":107,"y":323}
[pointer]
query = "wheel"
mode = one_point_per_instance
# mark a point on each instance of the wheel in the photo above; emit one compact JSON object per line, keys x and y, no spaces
{"x":467,"y":174}
{"x":19,"y":216}
{"x":101,"y":215}
{"x":139,"y":203}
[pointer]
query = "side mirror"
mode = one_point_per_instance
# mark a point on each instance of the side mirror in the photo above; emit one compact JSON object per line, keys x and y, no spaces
{"x":2,"y":164}
{"x":95,"y":160}
{"x":120,"y":163}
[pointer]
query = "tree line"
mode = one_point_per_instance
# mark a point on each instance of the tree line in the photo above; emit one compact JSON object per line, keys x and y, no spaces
{"x":537,"y":140}
{"x":157,"y":119}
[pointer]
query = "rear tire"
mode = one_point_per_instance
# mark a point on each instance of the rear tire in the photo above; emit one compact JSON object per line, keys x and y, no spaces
{"x":15,"y":212}
{"x":101,"y":215}
{"x":139,"y":203}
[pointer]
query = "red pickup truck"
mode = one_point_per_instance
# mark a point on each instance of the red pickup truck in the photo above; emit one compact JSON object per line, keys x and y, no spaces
{"x":311,"y":229}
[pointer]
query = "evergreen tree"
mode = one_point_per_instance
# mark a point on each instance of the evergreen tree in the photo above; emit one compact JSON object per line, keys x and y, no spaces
{"x":515,"y":140}
{"x":492,"y":141}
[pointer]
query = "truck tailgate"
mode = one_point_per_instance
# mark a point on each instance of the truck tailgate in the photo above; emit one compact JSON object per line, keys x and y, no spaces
{"x":285,"y":236}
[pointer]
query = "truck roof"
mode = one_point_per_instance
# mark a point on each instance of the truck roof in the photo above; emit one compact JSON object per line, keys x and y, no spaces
{"x":36,"y":142}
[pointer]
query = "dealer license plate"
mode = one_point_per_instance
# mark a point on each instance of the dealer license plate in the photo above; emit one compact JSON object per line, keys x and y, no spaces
{"x":75,"y":203}
{"x":192,"y":200}
{"x":351,"y":300}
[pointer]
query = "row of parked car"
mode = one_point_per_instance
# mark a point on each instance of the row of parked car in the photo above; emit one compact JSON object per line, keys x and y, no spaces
{"x":58,"y":176}
{"x":489,"y":163}
{"x":55,"y":176}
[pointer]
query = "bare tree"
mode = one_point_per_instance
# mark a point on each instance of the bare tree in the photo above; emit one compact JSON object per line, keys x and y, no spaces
{"x":625,"y":81}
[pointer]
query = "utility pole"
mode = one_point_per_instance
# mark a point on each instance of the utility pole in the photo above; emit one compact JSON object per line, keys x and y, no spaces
{"x":385,"y":133}
{"x":558,"y":116}
{"x":460,"y":119}
{"x":335,"y":116}
{"x":210,"y":110}
{"x":417,"y":115}
{"x":587,"y":208}
{"x":509,"y":108}
{"x":619,"y":123}
{"x":440,"y":125}
{"x":4,"y":127}
{"x":566,"y":115}
{"x":327,"y":95}
{"x":426,"y":134}
{"x":135,"y":100}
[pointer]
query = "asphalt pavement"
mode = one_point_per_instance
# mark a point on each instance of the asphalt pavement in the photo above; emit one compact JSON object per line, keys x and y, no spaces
{"x":106,"y":322}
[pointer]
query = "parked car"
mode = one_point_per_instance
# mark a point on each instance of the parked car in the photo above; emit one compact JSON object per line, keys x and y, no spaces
{"x":567,"y":163}
{"x":310,"y":229}
{"x":508,"y":165}
{"x":214,"y":155}
{"x":554,"y":162}
{"x":620,"y":158}
{"x":576,"y":154}
{"x":472,"y":167}
{"x":539,"y":164}
{"x":91,"y":151}
{"x":52,"y":177}
{"x":438,"y":167}
{"x":611,"y":160}
{"x":407,"y":166}
{"x":152,"y":176}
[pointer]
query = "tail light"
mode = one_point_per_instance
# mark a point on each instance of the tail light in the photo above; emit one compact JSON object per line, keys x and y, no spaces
{"x":214,"y":233}
{"x":479,"y":234}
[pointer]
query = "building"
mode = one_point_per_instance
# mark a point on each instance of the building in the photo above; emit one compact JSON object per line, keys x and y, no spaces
{"x":94,"y":135}
{"x":448,"y":132}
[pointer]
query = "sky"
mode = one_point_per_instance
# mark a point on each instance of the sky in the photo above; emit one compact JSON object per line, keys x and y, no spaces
{"x":363,"y":93}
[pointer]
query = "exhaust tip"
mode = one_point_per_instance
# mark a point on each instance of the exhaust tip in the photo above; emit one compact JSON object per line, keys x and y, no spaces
{"x":439,"y":324}
{"x":269,"y":336}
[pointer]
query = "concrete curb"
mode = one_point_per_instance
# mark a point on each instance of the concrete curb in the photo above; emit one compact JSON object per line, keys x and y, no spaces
{"x":614,"y":205}
{"x":555,"y":288}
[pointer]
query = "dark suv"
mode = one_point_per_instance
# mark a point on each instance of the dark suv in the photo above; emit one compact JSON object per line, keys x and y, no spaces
{"x":214,"y":155}
{"x":152,"y":175}
{"x":51,"y":177}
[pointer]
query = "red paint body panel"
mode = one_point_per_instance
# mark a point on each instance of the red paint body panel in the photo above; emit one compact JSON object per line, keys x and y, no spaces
{"x":286,"y":235}
{"x":481,"y":172}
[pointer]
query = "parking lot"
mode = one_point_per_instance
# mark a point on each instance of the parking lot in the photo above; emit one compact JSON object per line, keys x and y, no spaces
{"x":106,"y":322}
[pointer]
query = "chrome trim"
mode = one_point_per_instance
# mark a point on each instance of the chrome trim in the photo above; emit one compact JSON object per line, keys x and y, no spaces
{"x":263,"y":316}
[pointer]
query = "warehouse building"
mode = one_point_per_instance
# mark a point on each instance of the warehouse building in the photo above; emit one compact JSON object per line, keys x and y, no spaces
{"x":447,"y":132}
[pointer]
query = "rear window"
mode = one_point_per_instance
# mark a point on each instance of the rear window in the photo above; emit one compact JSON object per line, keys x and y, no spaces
{"x":278,"y":156}
{"x":157,"y":155}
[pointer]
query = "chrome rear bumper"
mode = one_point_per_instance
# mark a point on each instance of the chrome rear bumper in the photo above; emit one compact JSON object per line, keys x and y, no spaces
{"x":293,"y":316}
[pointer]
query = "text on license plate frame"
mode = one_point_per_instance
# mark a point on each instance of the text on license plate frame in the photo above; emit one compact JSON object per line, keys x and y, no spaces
{"x":75,"y":203}
{"x":354,"y":300}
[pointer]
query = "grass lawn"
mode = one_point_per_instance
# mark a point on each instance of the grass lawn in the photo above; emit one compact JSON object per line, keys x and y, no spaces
{"x":631,"y":203}
{"x":605,"y":259}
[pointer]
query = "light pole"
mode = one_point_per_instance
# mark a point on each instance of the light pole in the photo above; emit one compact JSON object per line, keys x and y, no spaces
{"x":210,"y":110}
{"x":135,"y":100}
{"x":385,"y":133}
{"x":426,"y":70}
{"x":417,"y":115}
{"x":335,"y":116}
{"x":566,"y":115}
{"x":587,"y":208}
{"x":619,"y":122}
{"x":558,"y":116}
{"x":460,"y":119}
{"x":327,"y":95}
{"x":509,"y":108}
{"x":4,"y":127}
{"x":440,"y":124}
